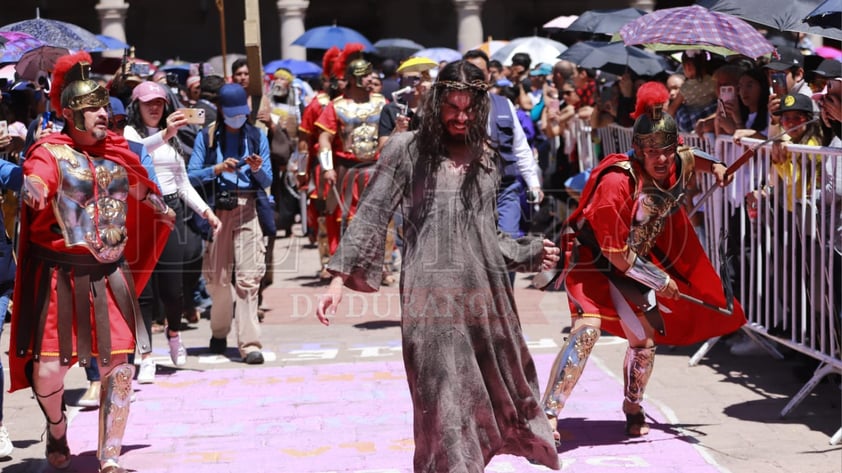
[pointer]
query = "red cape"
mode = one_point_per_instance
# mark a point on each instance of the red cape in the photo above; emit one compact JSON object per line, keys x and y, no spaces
{"x":147,"y":235}
{"x":683,"y":258}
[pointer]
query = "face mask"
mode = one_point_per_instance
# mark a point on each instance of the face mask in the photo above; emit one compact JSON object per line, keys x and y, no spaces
{"x":237,"y":121}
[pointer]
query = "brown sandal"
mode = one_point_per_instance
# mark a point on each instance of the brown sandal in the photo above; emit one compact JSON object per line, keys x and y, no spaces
{"x":636,"y":425}
{"x":58,"y":452}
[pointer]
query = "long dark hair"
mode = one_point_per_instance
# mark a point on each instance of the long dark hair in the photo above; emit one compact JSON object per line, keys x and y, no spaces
{"x":761,"y":122}
{"x":135,"y":120}
{"x":430,"y":140}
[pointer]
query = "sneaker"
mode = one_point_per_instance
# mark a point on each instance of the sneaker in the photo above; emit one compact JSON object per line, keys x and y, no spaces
{"x":218,"y":345}
{"x":177,"y":352}
{"x":254,"y":358}
{"x":146,"y":374}
{"x":91,"y":396}
{"x":6,"y":446}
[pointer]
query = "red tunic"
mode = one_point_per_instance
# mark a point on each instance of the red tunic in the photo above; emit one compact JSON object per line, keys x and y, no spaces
{"x":609,"y":208}
{"x":145,"y":243}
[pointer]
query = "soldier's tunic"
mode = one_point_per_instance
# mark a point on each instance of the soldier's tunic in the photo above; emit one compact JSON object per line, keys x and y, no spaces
{"x":354,"y":126}
{"x":626,"y":210}
{"x":82,"y":259}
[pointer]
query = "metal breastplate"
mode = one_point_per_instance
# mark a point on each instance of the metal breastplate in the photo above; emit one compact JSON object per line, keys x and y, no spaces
{"x":654,"y":205}
{"x":360,"y":121}
{"x":90,"y":203}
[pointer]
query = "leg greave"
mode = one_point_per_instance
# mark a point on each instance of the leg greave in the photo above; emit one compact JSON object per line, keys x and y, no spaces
{"x":115,"y":401}
{"x":568,"y":367}
{"x":321,"y":238}
{"x":637,"y":368}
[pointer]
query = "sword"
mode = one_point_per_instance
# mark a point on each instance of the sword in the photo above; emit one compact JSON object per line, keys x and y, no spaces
{"x":725,"y":276}
{"x":742,"y":160}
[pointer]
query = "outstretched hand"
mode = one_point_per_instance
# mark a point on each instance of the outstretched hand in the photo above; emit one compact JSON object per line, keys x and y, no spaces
{"x":329,"y":301}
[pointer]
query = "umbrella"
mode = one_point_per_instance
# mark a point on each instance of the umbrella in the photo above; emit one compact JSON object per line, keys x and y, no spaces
{"x":491,"y":46}
{"x":614,"y":58}
{"x":58,"y":33}
{"x":541,"y":50}
{"x":560,"y":22}
{"x":325,"y":37}
{"x":439,"y":54}
{"x":37,"y":60}
{"x":16,"y":44}
{"x":695,"y":27}
{"x":829,"y":52}
{"x":604,"y":21}
{"x":111,"y":43}
{"x":417,"y":64}
{"x":782,"y":15}
{"x":828,"y":14}
{"x":296,"y":66}
{"x":396,"y":48}
{"x":216,"y":63}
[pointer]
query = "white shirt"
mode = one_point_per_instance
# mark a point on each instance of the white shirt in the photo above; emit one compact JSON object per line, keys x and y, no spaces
{"x":169,"y":166}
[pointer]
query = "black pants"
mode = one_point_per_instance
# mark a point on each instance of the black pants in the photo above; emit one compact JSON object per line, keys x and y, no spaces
{"x":175,"y":275}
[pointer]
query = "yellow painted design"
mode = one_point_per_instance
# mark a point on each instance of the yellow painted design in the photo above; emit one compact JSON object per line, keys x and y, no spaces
{"x":385,"y":376}
{"x":403,"y":445}
{"x":219,"y":382}
{"x":305,"y":453}
{"x":295,"y":379}
{"x":335,"y":377}
{"x":360,"y":447}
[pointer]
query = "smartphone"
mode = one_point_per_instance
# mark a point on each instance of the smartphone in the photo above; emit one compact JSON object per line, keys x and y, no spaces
{"x":140,"y":69}
{"x":195,"y":116}
{"x":4,"y":128}
{"x":726,"y":95}
{"x":47,"y":118}
{"x":779,"y":86}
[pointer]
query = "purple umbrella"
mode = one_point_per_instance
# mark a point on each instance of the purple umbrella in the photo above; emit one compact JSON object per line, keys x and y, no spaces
{"x":694,"y":27}
{"x":58,"y":33}
{"x":15,"y":44}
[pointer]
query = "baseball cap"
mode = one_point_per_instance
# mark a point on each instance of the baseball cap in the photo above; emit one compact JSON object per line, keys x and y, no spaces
{"x":795,"y":103}
{"x":148,"y":91}
{"x":789,"y":57}
{"x":117,"y":107}
{"x":233,"y":100}
{"x":829,"y":69}
{"x":541,"y":70}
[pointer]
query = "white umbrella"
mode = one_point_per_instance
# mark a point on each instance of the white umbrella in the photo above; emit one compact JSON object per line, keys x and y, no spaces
{"x":560,"y":22}
{"x":540,"y":50}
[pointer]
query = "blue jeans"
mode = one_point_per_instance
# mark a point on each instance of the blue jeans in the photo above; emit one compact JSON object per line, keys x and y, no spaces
{"x":5,"y":297}
{"x":509,"y":210}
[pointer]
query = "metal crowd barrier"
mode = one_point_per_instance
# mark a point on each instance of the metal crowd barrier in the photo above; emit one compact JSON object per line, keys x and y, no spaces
{"x":785,"y":255}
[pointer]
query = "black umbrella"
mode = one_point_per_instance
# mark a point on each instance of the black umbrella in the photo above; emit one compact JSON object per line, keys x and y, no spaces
{"x":827,"y":15}
{"x":781,"y":15}
{"x":397,"y":48}
{"x":614,"y":58}
{"x":606,"y":22}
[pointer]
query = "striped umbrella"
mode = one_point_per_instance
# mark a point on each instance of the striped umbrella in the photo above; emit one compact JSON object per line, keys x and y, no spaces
{"x":694,"y":27}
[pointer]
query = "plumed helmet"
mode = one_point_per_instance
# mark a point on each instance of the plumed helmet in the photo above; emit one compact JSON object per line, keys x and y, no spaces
{"x":653,"y":127}
{"x":73,"y":88}
{"x":358,"y":68}
{"x":351,"y":64}
{"x":655,"y":130}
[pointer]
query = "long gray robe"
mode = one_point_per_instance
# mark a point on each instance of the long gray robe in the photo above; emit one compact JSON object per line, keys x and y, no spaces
{"x":473,"y":382}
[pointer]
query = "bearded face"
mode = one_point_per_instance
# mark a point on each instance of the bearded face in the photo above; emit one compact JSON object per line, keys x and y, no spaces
{"x":280,"y":89}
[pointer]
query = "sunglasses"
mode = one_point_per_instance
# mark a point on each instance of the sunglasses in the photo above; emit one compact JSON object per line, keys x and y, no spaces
{"x":118,"y":124}
{"x":567,"y":92}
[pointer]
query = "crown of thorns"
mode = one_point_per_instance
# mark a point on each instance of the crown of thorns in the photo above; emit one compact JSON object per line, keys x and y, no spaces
{"x":479,"y":85}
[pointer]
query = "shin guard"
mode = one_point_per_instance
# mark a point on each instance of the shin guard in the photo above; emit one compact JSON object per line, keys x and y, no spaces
{"x":115,"y":401}
{"x":567,"y":368}
{"x":321,"y":239}
{"x":637,"y":368}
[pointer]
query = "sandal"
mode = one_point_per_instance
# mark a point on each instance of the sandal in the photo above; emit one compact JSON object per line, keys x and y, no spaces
{"x":58,"y":452}
{"x":636,"y":425}
{"x":112,"y":467}
{"x":553,"y":420}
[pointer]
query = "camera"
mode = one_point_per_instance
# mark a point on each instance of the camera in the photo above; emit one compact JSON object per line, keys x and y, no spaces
{"x":225,"y":201}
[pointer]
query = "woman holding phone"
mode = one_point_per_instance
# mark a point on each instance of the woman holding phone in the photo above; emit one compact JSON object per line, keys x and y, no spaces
{"x":744,"y":112}
{"x":153,"y":122}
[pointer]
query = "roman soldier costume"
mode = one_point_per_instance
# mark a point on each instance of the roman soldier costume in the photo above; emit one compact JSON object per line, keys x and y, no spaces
{"x":84,"y":256}
{"x":624,"y":211}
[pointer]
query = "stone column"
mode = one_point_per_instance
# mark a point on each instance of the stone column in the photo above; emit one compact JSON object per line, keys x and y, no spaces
{"x":291,"y":13}
{"x":645,"y":5}
{"x":112,"y":20}
{"x":470,"y":23}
